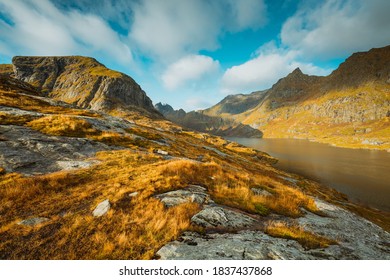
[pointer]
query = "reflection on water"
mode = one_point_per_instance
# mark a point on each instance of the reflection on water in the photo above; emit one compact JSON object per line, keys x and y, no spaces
{"x":364,"y":175}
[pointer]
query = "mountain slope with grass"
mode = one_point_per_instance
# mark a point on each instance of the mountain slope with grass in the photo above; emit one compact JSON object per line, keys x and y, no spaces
{"x":348,"y":108}
{"x":215,"y":125}
{"x":83,"y":182}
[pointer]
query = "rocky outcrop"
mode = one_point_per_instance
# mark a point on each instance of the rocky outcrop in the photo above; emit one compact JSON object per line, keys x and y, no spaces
{"x":82,"y":81}
{"x":192,"y":193}
{"x":357,"y":239}
{"x":27,"y":151}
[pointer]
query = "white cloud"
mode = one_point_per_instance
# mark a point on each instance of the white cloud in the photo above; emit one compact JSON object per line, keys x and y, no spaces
{"x":40,"y":28}
{"x":188,"y":68}
{"x":267,"y":67}
{"x":336,"y":28}
{"x":170,"y":29}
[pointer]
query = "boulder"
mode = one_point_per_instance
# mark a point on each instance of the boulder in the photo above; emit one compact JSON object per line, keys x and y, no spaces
{"x":102,"y":208}
{"x":192,"y":193}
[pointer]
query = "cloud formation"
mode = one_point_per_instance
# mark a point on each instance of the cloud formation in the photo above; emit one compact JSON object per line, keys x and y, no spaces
{"x":188,"y":68}
{"x":335,"y":28}
{"x":170,"y":29}
{"x":40,"y":28}
{"x":267,"y":67}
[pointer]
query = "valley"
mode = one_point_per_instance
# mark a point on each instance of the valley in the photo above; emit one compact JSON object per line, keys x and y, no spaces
{"x":91,"y":170}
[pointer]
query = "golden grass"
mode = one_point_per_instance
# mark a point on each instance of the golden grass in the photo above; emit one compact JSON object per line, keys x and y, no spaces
{"x":307,"y":239}
{"x":63,"y":126}
{"x":30,"y":103}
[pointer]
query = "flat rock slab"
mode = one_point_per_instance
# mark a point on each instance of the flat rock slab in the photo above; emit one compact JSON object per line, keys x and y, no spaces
{"x":245,"y":245}
{"x":192,"y":193}
{"x":216,"y":216}
{"x":363,"y":239}
{"x":30,"y":152}
{"x":357,"y":239}
{"x":33,"y":221}
{"x":102,"y":208}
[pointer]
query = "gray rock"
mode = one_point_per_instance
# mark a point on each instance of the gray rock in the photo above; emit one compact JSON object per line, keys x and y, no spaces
{"x":357,"y":236}
{"x":259,"y":191}
{"x":357,"y":239}
{"x":162,"y":152}
{"x":216,"y":216}
{"x":192,"y":193}
{"x":245,"y":245}
{"x":27,"y":151}
{"x":102,"y":208}
{"x":75,"y":164}
{"x":33,"y":221}
{"x":82,"y":81}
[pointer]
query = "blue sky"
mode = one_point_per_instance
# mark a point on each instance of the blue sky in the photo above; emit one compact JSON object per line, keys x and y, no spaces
{"x":192,"y":53}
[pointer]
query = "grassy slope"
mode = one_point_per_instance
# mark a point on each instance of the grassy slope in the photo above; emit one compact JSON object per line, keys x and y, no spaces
{"x":135,"y":228}
{"x":304,"y":124}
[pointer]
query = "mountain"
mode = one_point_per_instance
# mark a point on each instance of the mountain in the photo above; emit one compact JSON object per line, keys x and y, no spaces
{"x":199,"y":121}
{"x":83,"y":177}
{"x":349,"y":108}
{"x":84,"y":82}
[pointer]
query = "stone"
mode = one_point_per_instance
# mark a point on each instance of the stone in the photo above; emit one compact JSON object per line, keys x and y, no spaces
{"x":133,"y":194}
{"x":102,"y":208}
{"x":33,"y":221}
{"x":216,"y":216}
{"x":192,"y":193}
{"x":259,"y":191}
{"x":162,"y":152}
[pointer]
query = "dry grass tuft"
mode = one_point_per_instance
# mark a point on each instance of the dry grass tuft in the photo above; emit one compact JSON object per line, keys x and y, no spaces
{"x":307,"y":239}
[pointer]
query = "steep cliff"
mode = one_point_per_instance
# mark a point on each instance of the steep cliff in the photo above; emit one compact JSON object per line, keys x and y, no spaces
{"x":82,"y":81}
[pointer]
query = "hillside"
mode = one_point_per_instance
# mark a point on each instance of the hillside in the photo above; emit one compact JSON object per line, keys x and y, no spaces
{"x":78,"y":181}
{"x":84,"y":82}
{"x":348,"y":108}
{"x":216,"y":125}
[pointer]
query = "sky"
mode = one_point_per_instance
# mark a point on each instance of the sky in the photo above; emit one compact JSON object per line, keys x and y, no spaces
{"x":192,"y":53}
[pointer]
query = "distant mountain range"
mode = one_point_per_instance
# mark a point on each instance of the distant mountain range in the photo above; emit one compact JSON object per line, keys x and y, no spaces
{"x":350,"y":107}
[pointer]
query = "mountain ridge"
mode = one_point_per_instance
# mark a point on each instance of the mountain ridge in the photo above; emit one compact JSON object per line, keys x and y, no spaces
{"x":82,"y":81}
{"x":349,"y":108}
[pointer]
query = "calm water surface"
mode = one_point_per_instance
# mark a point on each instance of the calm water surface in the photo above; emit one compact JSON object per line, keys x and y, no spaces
{"x":364,"y":175}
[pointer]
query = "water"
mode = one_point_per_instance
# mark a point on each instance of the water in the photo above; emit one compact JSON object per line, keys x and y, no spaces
{"x":363,"y":175}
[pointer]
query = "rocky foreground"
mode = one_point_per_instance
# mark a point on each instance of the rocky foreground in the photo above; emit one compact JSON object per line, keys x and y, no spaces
{"x":115,"y":183}
{"x":232,"y":234}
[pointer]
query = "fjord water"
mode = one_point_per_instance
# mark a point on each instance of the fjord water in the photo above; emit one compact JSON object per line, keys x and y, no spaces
{"x":363,"y":175}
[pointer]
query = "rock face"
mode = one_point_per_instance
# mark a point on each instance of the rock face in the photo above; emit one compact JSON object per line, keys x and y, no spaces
{"x":82,"y":81}
{"x":27,"y":151}
{"x":357,"y":239}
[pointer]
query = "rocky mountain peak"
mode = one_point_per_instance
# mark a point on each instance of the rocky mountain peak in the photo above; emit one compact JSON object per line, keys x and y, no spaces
{"x":164,"y":108}
{"x":82,"y":81}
